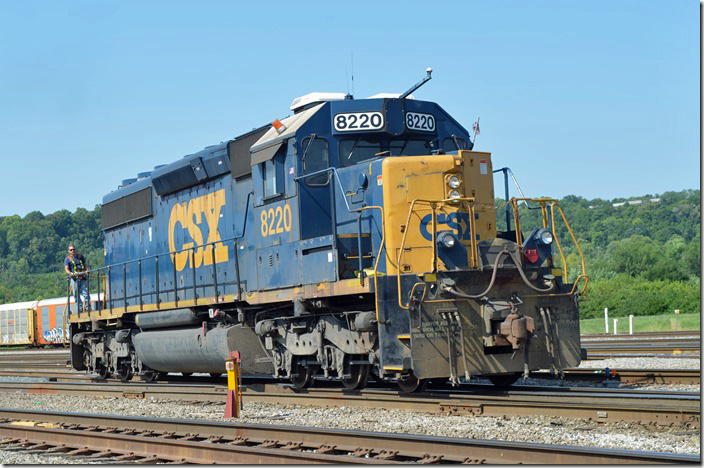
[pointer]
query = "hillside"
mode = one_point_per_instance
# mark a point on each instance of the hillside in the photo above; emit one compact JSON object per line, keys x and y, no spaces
{"x":642,"y":253}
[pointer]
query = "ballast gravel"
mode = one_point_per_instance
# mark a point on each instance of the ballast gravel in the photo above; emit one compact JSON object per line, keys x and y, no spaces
{"x":540,"y":429}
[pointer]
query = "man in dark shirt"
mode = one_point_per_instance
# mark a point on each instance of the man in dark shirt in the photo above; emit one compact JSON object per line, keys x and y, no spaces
{"x":76,"y":266}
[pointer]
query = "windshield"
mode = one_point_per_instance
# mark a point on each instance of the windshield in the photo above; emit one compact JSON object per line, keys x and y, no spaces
{"x":359,"y":149}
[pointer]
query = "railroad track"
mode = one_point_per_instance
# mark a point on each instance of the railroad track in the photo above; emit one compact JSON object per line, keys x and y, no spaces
{"x":688,"y":333}
{"x":599,"y":404}
{"x":625,"y":376}
{"x":150,"y":440}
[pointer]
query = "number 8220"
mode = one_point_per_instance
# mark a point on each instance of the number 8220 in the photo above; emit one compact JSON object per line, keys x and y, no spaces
{"x":275,"y":220}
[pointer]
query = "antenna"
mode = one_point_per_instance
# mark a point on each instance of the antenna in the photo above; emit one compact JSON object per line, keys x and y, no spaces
{"x":352,"y":59}
{"x":419,"y":84}
{"x":347,"y":79}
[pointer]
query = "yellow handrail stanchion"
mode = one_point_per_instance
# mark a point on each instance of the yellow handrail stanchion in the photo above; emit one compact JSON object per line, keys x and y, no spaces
{"x":234,"y":389}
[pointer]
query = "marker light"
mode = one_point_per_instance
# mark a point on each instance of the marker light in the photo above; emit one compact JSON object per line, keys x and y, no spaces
{"x":448,"y":239}
{"x":454,"y":195}
{"x":531,"y":255}
{"x":453,"y":182}
{"x":545,"y":236}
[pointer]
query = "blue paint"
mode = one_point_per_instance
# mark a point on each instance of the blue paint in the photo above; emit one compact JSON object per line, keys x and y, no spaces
{"x":321,"y":242}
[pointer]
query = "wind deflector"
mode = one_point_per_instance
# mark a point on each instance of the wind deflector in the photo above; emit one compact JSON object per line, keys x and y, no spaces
{"x":273,"y":139}
{"x":265,"y":154}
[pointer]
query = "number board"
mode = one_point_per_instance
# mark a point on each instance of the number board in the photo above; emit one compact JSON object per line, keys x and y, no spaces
{"x":423,"y":122}
{"x":358,"y":121}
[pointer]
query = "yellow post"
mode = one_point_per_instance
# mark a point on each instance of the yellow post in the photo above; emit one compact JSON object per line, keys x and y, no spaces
{"x":234,"y":390}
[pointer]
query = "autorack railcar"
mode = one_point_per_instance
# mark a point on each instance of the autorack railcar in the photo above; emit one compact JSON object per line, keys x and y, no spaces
{"x":37,"y":323}
{"x":356,"y":237}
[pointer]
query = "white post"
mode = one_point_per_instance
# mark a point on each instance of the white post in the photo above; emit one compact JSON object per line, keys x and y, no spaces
{"x":606,"y":319}
{"x":630,"y":324}
{"x":615,"y":326}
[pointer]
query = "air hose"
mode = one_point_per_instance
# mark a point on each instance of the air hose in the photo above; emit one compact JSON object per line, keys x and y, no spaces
{"x":455,"y":292}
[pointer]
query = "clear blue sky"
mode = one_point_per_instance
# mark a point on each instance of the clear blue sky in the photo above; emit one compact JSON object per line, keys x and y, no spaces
{"x":597,"y":98}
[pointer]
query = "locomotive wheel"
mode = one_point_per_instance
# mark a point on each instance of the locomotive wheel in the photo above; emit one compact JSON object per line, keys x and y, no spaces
{"x":302,"y":376}
{"x":102,"y":371}
{"x":504,"y":380}
{"x":411,"y":383}
{"x":359,"y":377}
{"x":151,"y":376}
{"x":125,"y":372}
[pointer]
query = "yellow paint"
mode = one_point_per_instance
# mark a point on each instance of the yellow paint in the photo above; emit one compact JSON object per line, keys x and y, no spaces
{"x":275,"y":220}
{"x":403,"y":337}
{"x":33,"y":424}
{"x":413,"y":178}
{"x":189,"y":215}
{"x":556,"y":272}
{"x":393,"y":368}
{"x":339,"y":288}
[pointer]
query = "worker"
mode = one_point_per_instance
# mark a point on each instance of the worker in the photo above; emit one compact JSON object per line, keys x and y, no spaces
{"x":76,"y":268}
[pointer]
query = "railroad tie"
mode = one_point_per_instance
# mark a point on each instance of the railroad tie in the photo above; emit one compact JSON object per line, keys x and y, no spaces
{"x":387,"y":455}
{"x":429,"y":459}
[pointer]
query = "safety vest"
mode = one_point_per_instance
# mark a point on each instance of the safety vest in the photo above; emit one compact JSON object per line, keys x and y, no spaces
{"x":77,"y":268}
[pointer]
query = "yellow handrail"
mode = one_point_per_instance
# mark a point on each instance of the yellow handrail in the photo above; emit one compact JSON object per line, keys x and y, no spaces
{"x":433,"y":266}
{"x":552,"y":204}
{"x":378,"y":255}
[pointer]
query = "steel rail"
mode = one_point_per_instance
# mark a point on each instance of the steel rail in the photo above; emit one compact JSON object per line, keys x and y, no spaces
{"x":607,"y":354}
{"x":645,"y":334}
{"x":593,"y":403}
{"x":624,"y":376}
{"x":630,"y":376}
{"x":259,"y":443}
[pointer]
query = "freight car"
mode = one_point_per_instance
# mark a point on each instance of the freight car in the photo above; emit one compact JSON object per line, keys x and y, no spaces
{"x":36,"y":323}
{"x":354,"y":238}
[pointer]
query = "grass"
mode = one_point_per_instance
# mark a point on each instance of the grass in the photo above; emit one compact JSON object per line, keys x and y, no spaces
{"x":643,"y":323}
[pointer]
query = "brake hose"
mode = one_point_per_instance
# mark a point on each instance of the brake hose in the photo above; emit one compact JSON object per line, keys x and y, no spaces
{"x":455,"y":292}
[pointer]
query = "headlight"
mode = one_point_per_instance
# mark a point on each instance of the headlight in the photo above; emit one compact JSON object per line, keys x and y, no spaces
{"x":545,"y":236}
{"x":453,"y":181}
{"x":448,"y":239}
{"x":454,"y":194}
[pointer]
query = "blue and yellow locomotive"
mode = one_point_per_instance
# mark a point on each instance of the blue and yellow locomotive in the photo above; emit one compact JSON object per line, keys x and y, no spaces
{"x":356,"y":237}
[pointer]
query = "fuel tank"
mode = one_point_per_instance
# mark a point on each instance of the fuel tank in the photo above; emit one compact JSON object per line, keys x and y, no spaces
{"x":192,"y":350}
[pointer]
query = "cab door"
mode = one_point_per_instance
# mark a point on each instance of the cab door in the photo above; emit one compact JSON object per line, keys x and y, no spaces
{"x":316,"y":213}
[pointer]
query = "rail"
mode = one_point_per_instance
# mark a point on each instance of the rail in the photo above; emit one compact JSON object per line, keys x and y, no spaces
{"x":149,"y":440}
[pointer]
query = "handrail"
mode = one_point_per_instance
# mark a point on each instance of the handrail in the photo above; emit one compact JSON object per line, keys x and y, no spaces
{"x":472,"y":261}
{"x":552,"y":203}
{"x":382,"y":246}
{"x":125,"y":297}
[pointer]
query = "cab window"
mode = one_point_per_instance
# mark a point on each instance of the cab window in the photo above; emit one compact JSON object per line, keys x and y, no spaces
{"x":357,"y":150}
{"x":453,"y":144}
{"x":409,"y":147}
{"x":316,"y":157}
{"x":273,"y":174}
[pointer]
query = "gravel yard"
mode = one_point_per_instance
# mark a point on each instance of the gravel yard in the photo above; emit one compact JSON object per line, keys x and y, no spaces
{"x":527,"y":429}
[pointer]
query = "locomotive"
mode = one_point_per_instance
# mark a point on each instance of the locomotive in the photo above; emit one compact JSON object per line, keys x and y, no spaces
{"x":353,"y":239}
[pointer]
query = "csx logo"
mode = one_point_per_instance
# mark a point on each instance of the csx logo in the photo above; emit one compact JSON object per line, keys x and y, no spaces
{"x":457,"y":221}
{"x":190,"y":215}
